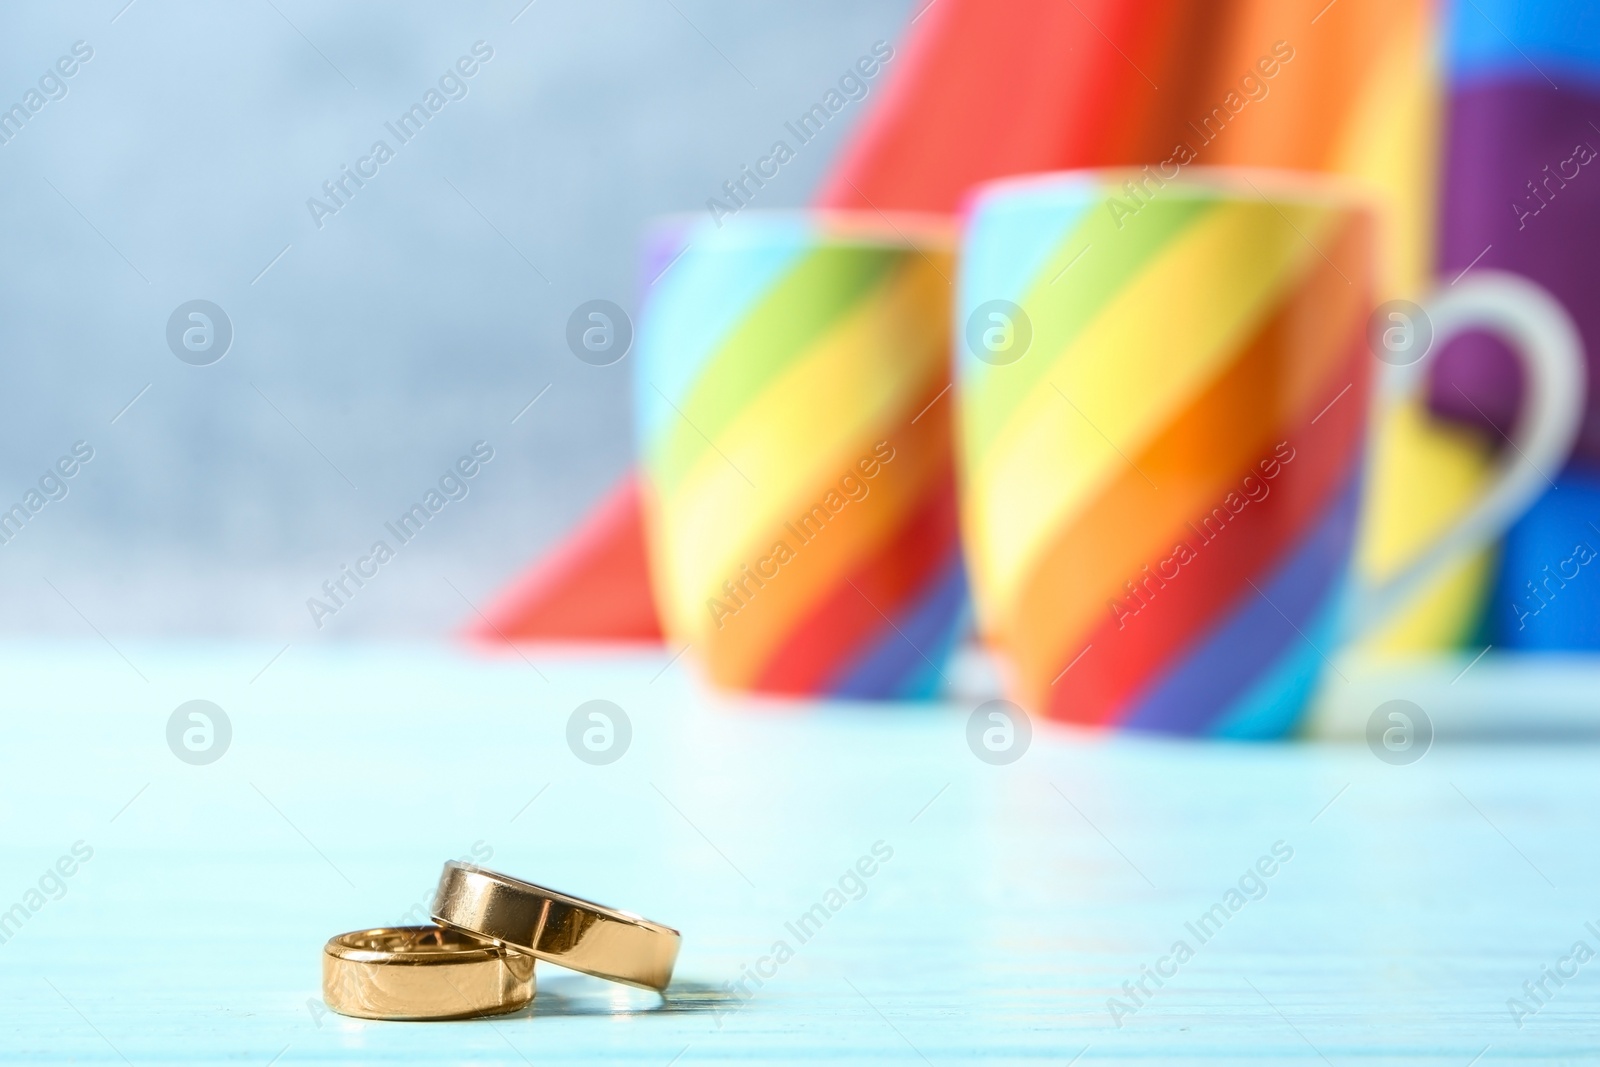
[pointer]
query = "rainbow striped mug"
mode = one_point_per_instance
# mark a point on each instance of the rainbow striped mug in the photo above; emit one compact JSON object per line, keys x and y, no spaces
{"x":1163,"y":385}
{"x":795,"y":448}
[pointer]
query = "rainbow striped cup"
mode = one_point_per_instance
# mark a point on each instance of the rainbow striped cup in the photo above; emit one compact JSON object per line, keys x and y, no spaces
{"x":795,"y":450}
{"x":1163,"y":385}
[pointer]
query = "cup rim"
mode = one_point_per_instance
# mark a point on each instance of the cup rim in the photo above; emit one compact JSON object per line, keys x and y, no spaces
{"x":843,"y":227}
{"x":1217,"y":183}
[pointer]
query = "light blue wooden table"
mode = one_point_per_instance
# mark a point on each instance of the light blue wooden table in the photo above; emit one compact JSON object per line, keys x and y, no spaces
{"x":1018,"y":900}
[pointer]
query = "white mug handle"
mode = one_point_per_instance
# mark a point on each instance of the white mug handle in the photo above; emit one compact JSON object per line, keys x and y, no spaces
{"x":1543,"y":336}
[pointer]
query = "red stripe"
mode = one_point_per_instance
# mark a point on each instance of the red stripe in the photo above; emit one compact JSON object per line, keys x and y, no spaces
{"x":889,"y":580}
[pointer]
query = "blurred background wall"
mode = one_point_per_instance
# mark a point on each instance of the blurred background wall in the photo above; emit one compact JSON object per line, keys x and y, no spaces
{"x":372,"y":352}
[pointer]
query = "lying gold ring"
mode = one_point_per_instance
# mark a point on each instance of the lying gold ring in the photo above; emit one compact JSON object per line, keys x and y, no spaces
{"x":422,"y":972}
{"x":607,"y":943}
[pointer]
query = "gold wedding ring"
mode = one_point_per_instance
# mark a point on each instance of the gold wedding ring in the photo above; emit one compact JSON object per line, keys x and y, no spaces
{"x":607,"y":943}
{"x":422,"y":972}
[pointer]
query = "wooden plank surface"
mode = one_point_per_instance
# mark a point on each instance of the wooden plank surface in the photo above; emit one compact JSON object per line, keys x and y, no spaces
{"x":1018,"y":899}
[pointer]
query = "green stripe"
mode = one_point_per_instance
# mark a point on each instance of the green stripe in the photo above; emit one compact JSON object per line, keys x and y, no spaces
{"x":1061,"y":310}
{"x":789,"y":319}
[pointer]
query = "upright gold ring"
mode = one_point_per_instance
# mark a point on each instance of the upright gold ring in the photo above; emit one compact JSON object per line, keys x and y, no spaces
{"x":560,"y":929}
{"x":422,"y":972}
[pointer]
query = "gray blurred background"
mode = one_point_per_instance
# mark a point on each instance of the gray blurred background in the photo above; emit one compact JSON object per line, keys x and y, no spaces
{"x":374,"y":351}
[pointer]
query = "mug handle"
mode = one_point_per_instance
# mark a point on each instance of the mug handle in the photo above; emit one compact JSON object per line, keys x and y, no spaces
{"x":1543,"y":336}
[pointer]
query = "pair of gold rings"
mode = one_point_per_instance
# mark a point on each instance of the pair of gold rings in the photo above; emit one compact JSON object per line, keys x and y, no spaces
{"x":479,"y":959}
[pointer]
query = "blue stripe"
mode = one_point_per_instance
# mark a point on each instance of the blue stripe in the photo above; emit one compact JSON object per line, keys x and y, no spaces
{"x":691,"y":309}
{"x":1205,"y":686}
{"x":1010,"y":240}
{"x":1270,"y":708}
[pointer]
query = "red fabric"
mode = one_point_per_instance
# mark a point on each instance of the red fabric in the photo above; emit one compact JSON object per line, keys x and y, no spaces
{"x":982,"y":89}
{"x":593,"y":586}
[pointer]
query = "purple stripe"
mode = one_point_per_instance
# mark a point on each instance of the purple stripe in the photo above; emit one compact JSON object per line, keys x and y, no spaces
{"x":1203,"y":686}
{"x":893,"y":666}
{"x":1272,"y":706}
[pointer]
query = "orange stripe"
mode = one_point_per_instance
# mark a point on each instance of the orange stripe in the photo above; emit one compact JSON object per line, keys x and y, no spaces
{"x":1310,"y":100}
{"x":883,"y":586}
{"x":737,"y":652}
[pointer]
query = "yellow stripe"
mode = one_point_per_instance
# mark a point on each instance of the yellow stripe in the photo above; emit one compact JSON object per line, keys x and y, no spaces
{"x":1157,"y":343}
